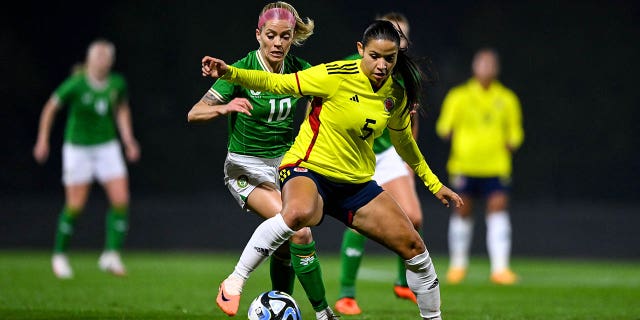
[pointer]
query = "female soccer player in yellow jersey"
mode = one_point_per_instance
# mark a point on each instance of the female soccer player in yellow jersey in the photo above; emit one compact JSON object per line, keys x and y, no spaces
{"x":260,"y":132}
{"x":482,"y":119}
{"x":328,"y":169}
{"x":395,"y":177}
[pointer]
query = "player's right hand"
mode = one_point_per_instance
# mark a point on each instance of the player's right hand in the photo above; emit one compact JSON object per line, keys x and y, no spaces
{"x":41,"y":152}
{"x":240,"y":105}
{"x":213,"y":67}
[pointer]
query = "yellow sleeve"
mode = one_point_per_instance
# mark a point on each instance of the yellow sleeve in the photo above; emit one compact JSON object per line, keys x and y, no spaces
{"x":407,"y":148}
{"x":514,"y":124}
{"x":310,"y":82}
{"x":444,"y":124}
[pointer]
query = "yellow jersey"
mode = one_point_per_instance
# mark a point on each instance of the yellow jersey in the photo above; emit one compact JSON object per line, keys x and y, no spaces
{"x":346,"y":115}
{"x":485,"y":126}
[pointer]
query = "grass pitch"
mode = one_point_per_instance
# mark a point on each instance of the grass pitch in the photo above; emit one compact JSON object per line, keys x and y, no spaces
{"x":184,"y":285}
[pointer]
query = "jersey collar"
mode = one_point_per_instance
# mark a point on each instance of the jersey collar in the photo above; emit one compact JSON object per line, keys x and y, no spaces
{"x":385,"y":85}
{"x":265,"y":65}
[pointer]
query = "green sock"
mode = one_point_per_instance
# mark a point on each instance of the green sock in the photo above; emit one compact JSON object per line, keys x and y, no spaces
{"x":66,"y":224}
{"x":307,"y":267}
{"x":282,"y":274}
{"x":351,"y":253}
{"x":402,"y":270}
{"x":402,"y":273}
{"x":117,"y":226}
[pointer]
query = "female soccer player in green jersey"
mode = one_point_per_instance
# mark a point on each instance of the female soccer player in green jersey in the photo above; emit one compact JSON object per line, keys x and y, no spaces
{"x":260,"y":132}
{"x":328,"y":169}
{"x":98,"y":103}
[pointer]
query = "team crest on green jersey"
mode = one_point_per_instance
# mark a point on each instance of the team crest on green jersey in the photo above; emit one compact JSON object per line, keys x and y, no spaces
{"x":242,"y":181}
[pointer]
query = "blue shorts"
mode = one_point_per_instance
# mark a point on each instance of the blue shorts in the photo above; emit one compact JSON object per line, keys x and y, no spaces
{"x":478,"y":187}
{"x":341,"y":200}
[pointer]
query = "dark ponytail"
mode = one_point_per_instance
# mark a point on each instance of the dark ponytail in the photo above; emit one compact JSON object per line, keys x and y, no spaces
{"x":405,"y":67}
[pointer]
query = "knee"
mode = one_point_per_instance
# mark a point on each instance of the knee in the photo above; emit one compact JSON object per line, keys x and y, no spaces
{"x":463,"y":211}
{"x":497,"y":202}
{"x":73,"y":210}
{"x":120,"y":203}
{"x":302,"y":236}
{"x":297,"y":218}
{"x":413,"y":246}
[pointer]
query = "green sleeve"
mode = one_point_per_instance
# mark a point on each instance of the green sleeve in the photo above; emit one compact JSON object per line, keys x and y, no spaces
{"x":65,"y":91}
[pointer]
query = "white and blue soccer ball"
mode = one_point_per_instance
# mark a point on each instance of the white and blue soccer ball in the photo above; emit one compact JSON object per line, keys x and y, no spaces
{"x":274,"y":305}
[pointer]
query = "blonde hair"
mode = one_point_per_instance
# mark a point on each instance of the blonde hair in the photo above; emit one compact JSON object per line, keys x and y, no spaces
{"x":302,"y":30}
{"x":395,"y":18}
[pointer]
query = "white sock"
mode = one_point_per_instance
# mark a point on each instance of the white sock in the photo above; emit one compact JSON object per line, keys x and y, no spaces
{"x":267,"y":237}
{"x":423,"y":281}
{"x":460,"y":233}
{"x":498,"y":240}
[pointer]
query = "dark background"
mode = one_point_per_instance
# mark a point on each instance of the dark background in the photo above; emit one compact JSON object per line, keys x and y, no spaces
{"x":573,"y":64}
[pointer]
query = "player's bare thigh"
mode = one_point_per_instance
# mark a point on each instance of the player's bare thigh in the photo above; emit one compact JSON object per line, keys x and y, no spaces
{"x":265,"y":200}
{"x":302,"y":204}
{"x":497,"y":201}
{"x":403,"y":191}
{"x":76,"y":196}
{"x":117,"y":190}
{"x":383,"y":220}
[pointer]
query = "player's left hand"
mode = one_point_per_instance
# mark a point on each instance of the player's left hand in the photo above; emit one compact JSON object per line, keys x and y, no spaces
{"x":446,"y":196}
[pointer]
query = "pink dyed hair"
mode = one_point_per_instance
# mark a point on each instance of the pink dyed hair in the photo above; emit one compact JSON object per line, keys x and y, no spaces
{"x":276,"y":14}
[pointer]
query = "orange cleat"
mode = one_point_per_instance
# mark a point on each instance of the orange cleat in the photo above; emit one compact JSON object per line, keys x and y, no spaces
{"x":504,"y":277}
{"x":456,"y":275}
{"x":348,"y":306}
{"x":403,"y":292}
{"x":228,"y":303}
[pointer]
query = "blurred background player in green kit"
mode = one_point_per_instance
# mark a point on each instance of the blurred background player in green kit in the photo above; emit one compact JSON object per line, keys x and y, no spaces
{"x":98,"y":112}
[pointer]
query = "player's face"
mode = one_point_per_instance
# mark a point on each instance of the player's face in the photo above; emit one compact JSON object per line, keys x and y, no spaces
{"x":275,"y":40}
{"x":485,"y":66}
{"x":100,"y":60}
{"x":378,"y":59}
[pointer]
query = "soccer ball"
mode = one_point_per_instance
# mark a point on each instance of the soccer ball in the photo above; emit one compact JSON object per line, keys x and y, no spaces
{"x":274,"y":305}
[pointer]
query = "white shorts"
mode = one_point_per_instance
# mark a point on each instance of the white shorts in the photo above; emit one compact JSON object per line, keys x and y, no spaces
{"x":82,"y":164}
{"x":389,"y":166}
{"x":243,"y":173}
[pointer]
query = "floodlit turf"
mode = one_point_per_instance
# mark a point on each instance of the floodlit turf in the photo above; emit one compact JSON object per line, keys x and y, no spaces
{"x":183,"y":286}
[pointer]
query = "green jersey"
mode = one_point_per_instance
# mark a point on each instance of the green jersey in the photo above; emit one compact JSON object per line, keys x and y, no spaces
{"x":383,"y":142}
{"x":268,"y":132}
{"x":91,"y":110}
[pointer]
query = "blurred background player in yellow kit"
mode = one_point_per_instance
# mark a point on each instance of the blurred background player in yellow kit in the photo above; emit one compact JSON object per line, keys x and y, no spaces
{"x":483,"y":121}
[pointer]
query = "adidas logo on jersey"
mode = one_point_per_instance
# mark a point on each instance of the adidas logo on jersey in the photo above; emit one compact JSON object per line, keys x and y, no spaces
{"x":355,"y":98}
